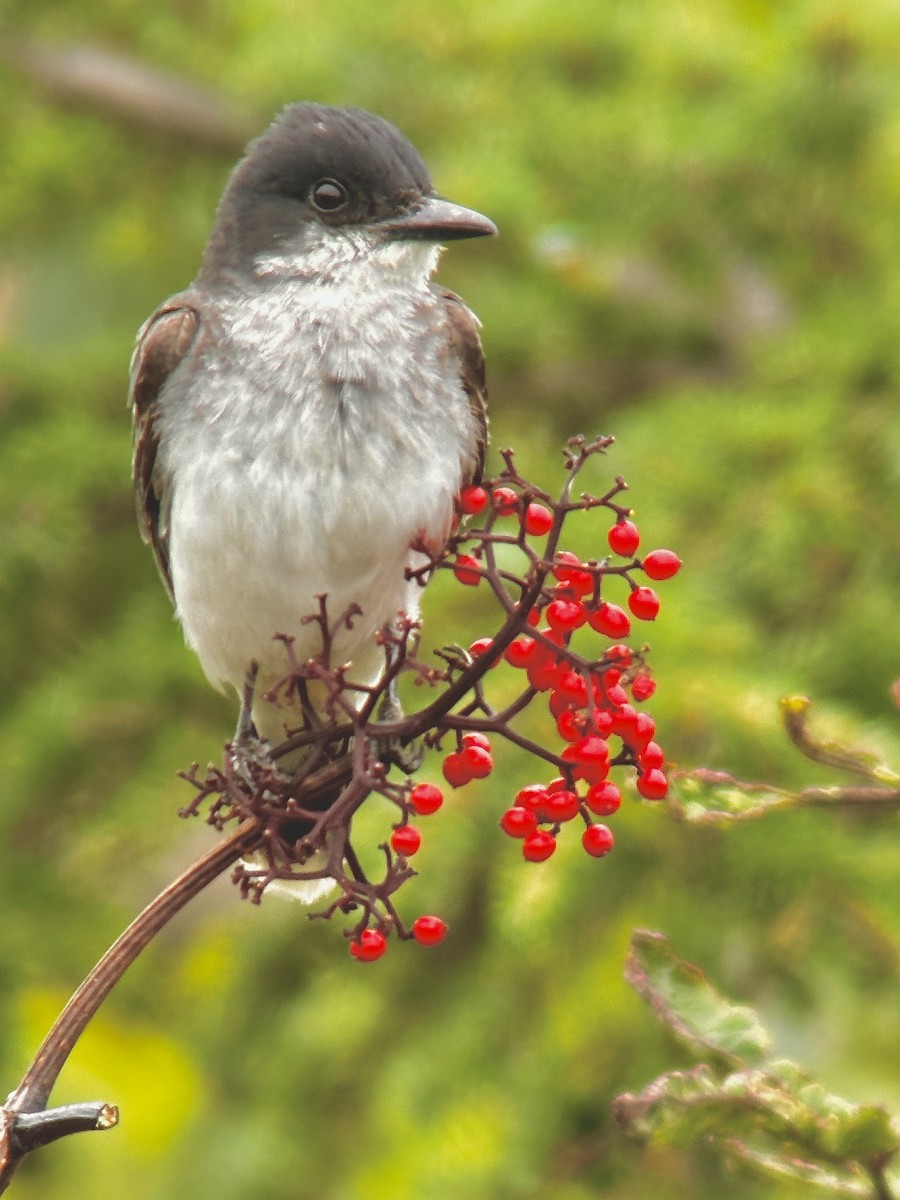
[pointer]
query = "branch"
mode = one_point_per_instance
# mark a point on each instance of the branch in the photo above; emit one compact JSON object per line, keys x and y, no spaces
{"x":27,"y":1124}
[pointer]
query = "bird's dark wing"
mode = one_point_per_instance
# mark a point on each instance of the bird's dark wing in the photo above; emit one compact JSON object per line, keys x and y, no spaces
{"x":465,"y":346}
{"x":163,"y":342}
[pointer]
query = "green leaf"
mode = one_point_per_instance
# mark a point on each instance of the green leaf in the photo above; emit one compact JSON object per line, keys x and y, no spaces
{"x":687,"y":1003}
{"x":758,"y":1117}
{"x":704,"y":797}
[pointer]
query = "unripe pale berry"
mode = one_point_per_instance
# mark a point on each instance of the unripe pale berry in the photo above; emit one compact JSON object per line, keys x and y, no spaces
{"x":368,"y":946}
{"x":428,"y":931}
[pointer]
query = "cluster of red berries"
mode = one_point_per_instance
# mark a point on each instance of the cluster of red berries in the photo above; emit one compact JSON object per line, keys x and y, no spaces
{"x":592,"y":701}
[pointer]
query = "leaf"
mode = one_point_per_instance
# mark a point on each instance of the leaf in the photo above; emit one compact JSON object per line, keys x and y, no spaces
{"x":759,"y":1117}
{"x":705,"y":797}
{"x":687,"y":1003}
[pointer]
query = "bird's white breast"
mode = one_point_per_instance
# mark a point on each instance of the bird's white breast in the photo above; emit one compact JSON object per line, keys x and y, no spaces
{"x":327,"y":429}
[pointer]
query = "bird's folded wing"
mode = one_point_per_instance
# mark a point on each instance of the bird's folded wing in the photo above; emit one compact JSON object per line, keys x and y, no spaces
{"x":163,"y":343}
{"x":465,"y":345}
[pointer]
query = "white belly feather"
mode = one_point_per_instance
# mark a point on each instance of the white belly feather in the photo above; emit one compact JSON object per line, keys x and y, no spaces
{"x":307,"y":461}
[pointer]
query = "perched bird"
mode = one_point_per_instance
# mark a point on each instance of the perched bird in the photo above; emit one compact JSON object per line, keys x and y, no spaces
{"x":309,"y":407}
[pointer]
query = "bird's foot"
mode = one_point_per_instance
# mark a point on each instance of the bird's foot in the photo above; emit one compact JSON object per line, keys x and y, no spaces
{"x":250,"y":757}
{"x":404,"y":753}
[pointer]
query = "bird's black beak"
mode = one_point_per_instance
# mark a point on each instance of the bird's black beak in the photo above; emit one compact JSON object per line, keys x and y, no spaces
{"x":437,"y":220}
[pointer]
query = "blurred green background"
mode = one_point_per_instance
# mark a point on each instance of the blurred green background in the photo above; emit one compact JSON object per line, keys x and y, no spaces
{"x":700,"y":248}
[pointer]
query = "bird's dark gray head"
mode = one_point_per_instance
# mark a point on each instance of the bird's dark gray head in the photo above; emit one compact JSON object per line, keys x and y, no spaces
{"x":318,"y":169}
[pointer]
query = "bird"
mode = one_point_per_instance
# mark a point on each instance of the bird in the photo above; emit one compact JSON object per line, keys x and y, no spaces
{"x":307,"y":410}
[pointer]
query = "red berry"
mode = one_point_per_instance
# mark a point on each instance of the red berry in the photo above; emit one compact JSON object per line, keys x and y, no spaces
{"x":621,"y":655}
{"x":558,"y":705}
{"x":520,"y":652}
{"x":651,"y":756}
{"x":598,"y":840}
{"x":456,"y":769}
{"x":406,"y":840}
{"x":506,"y":501}
{"x":591,"y":750}
{"x":518,"y":822}
{"x":534,"y":798}
{"x":661,"y":564}
{"x":615,"y":695}
{"x":559,"y":784}
{"x":644,"y":603}
{"x":570,"y":686}
{"x":570,"y":724}
{"x":600,"y":722}
{"x":624,"y":538}
{"x":570,"y":571}
{"x":652,"y":784}
{"x":623,"y":721}
{"x":543,"y":675}
{"x":610,"y":620}
{"x":466,"y":570}
{"x":538,"y":846}
{"x":481,"y":646}
{"x":593,"y":771}
{"x":566,"y":615}
{"x":477,"y":761}
{"x":643,"y":687}
{"x":428,"y":931}
{"x":642,"y":730}
{"x":538,"y":520}
{"x":562,"y":806}
{"x":476,"y":738}
{"x":473,"y":499}
{"x":603,"y":798}
{"x":425,"y":799}
{"x":368,"y":946}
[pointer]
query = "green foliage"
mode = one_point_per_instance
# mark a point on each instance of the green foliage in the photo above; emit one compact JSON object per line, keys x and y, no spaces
{"x":699,"y":243}
{"x":768,"y":1113}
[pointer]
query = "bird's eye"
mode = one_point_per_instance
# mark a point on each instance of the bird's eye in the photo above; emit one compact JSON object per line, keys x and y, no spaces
{"x":328,"y":195}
